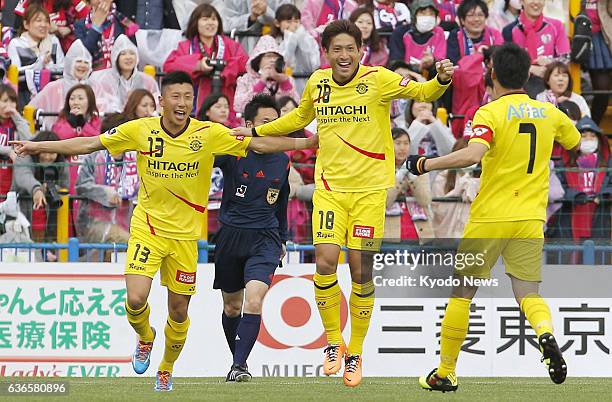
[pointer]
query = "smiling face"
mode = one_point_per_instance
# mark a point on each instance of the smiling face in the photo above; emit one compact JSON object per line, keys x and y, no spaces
{"x":208,"y":26}
{"x":533,"y":8}
{"x":38,"y":26}
{"x":475,"y":21}
{"x":177,"y":103}
{"x":365,"y":25}
{"x":219,"y":112}
{"x":81,"y":69}
{"x":343,"y":56}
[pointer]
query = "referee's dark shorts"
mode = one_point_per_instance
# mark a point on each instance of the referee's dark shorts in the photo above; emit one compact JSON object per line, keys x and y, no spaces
{"x":242,"y":255}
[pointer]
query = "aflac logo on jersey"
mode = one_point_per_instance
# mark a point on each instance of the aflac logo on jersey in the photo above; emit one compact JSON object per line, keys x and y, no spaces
{"x":525,"y":110}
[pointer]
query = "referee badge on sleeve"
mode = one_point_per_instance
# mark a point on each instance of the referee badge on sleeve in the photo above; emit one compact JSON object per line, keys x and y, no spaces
{"x":272,"y":195}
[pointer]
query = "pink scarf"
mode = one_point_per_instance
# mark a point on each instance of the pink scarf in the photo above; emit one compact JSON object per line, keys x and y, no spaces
{"x":531,"y":29}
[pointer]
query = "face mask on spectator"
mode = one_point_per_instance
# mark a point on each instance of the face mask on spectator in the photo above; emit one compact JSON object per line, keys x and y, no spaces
{"x":588,"y":146}
{"x":425,"y":23}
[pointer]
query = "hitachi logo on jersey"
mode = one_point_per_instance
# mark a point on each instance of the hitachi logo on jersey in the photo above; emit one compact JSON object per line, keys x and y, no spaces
{"x":525,"y":110}
{"x":341,"y":110}
{"x":165,"y":165}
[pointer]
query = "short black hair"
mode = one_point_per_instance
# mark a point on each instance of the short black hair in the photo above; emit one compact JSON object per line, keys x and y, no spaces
{"x":468,"y":5}
{"x":259,"y":101}
{"x":283,"y":100}
{"x":571,"y":109}
{"x":338,"y":27}
{"x":175,"y":77}
{"x":511,"y":64}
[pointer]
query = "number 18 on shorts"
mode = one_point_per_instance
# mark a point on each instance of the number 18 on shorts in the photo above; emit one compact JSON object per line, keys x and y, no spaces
{"x":354,"y":220}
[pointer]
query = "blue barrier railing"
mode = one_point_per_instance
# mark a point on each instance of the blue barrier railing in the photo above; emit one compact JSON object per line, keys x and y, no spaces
{"x":589,"y":249}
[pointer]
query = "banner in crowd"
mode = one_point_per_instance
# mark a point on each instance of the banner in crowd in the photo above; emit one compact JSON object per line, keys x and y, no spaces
{"x":69,"y":320}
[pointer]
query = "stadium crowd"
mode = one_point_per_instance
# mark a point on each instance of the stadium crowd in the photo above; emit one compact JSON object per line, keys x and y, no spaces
{"x":81,"y":63}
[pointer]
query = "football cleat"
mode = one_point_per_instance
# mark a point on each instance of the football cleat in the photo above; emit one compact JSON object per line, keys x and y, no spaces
{"x":333,"y":359}
{"x":352,"y":370}
{"x":142,"y":355}
{"x":163,"y":381}
{"x":552,"y":357}
{"x":435,"y":383}
{"x":238,"y":373}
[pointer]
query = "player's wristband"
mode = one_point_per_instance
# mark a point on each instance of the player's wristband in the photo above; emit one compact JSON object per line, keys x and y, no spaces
{"x":443,"y":82}
{"x":416,"y":164}
{"x":254,"y":132}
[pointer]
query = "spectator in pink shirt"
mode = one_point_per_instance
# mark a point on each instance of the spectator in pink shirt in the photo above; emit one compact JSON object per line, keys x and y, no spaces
{"x":544,"y":38}
{"x":206,"y":45}
{"x":78,"y":118}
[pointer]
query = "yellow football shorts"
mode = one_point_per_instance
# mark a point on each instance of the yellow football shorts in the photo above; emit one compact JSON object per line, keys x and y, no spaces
{"x":356,"y":220}
{"x":176,"y":259}
{"x":519,"y":243}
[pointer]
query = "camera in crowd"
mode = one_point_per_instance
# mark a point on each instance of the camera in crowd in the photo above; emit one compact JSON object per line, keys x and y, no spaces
{"x":50,"y":178}
{"x":218,"y":65}
{"x":279,"y":65}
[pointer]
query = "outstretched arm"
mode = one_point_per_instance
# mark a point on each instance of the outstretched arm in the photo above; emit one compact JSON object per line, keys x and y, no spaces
{"x":72,"y":146}
{"x":268,"y":145}
{"x":419,"y":164}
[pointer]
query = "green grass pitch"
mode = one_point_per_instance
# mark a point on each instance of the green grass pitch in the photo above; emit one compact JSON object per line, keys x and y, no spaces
{"x":332,"y":389}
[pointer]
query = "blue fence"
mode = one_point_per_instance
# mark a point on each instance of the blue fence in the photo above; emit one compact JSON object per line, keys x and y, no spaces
{"x":591,"y":253}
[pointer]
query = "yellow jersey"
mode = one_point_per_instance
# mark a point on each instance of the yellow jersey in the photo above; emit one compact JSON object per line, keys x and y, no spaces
{"x":174,"y":171}
{"x":520,"y":133}
{"x":355,"y":146}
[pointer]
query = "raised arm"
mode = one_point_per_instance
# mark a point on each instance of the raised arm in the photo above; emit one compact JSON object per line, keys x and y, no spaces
{"x":72,"y":146}
{"x":395,"y":86}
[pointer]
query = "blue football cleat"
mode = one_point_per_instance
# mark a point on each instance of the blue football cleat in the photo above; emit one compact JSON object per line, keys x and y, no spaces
{"x":142,"y":355}
{"x":163,"y":381}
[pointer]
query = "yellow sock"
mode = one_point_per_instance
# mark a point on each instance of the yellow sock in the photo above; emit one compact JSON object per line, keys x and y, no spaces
{"x":328,"y":297}
{"x":537,"y":312}
{"x":139,"y":320}
{"x":361,"y":304}
{"x":176,"y":333}
{"x":454,"y":329}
